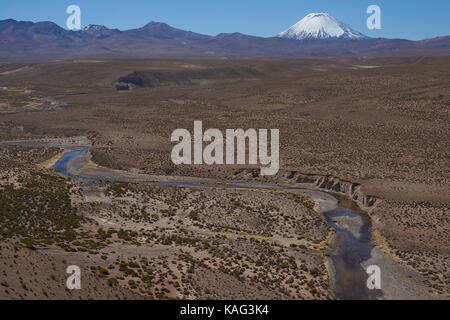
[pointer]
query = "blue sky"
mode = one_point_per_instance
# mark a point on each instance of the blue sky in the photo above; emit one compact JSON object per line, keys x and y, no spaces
{"x":400,"y":18}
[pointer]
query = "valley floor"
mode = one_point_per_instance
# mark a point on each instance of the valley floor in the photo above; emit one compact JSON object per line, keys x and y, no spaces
{"x":377,"y":132}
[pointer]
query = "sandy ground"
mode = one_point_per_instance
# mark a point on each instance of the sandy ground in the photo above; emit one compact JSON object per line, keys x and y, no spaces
{"x":398,"y":282}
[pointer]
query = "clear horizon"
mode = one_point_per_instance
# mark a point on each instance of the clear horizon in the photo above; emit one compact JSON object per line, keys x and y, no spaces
{"x":414,"y":20}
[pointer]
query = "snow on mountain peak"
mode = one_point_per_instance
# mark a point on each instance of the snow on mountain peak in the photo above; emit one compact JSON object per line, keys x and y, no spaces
{"x":95,"y":28}
{"x":321,"y":26}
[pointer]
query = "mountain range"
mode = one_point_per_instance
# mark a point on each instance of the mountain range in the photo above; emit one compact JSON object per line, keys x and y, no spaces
{"x":316,"y":35}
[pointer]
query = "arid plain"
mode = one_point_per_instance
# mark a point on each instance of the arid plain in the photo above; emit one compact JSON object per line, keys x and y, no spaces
{"x":375,"y":129}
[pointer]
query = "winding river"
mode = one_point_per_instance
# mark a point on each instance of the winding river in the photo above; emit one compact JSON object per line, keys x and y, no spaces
{"x":350,"y":247}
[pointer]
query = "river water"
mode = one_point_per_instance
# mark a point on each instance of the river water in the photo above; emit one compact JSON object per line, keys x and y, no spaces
{"x":350,"y":248}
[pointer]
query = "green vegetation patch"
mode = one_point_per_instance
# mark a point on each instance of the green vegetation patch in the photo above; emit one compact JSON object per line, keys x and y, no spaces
{"x":39,"y":209}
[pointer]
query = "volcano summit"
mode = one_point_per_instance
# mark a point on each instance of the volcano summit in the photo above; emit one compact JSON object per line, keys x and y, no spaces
{"x":321,"y":26}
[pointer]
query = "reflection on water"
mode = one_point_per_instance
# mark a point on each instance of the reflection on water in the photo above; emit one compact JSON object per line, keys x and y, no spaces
{"x":349,"y":252}
{"x":346,"y":202}
{"x":61,"y":164}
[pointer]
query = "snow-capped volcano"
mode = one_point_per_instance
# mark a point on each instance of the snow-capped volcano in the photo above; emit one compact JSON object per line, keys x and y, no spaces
{"x":321,"y":26}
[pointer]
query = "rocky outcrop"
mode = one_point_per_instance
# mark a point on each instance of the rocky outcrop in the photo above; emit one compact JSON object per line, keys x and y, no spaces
{"x":121,"y":86}
{"x":331,"y":183}
{"x":129,"y":82}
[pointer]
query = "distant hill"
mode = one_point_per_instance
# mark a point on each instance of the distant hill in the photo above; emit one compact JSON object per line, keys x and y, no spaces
{"x":43,"y":41}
